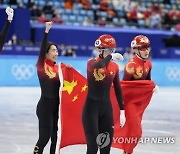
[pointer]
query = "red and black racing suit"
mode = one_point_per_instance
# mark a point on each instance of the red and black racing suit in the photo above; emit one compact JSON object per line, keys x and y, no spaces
{"x":48,"y":105}
{"x":137,"y":69}
{"x":97,"y":116}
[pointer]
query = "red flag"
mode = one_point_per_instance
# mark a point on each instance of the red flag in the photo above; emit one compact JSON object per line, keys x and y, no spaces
{"x":74,"y":93}
{"x":136,"y":95}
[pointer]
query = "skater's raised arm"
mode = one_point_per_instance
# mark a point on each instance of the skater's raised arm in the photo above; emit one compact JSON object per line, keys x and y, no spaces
{"x":3,"y":34}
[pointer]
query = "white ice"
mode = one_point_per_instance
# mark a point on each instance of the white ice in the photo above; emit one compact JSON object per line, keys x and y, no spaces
{"x":19,"y":124}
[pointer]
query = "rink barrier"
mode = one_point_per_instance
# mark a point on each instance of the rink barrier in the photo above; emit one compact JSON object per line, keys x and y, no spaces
{"x":21,"y":70}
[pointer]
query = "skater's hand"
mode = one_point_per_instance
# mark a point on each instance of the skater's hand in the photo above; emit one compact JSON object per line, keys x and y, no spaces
{"x":48,"y":26}
{"x":117,"y":56}
{"x":156,"y":89}
{"x":122,"y":118}
{"x":68,"y":66}
{"x":10,"y":13}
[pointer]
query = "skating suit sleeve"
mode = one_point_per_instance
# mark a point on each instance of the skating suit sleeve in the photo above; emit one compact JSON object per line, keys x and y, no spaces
{"x":3,"y":34}
{"x":47,"y":72}
{"x":100,"y":63}
{"x":41,"y":58}
{"x":137,"y":69}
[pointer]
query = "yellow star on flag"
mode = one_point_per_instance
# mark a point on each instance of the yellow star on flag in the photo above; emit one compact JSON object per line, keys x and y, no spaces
{"x":84,"y":88}
{"x":75,"y":98}
{"x":69,"y":86}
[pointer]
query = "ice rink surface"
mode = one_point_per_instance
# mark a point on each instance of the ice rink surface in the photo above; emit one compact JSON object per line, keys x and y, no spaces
{"x":19,"y":124}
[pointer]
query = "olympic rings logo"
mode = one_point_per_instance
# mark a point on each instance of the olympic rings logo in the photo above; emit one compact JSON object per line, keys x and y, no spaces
{"x":173,"y":73}
{"x":23,"y":72}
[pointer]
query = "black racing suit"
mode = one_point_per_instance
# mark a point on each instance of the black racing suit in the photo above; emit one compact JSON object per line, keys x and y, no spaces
{"x":3,"y":34}
{"x":48,"y":105}
{"x":97,"y":116}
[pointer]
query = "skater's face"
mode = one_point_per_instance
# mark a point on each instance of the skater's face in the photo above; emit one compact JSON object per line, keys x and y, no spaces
{"x":52,"y":53}
{"x":107,"y":51}
{"x":143,"y":51}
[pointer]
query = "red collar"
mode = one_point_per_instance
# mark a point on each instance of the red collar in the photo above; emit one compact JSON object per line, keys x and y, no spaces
{"x":49,"y":62}
{"x":139,"y":59}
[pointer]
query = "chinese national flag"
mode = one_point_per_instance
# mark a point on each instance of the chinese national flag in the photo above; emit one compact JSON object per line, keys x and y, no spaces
{"x":73,"y":96}
{"x":136,"y":95}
